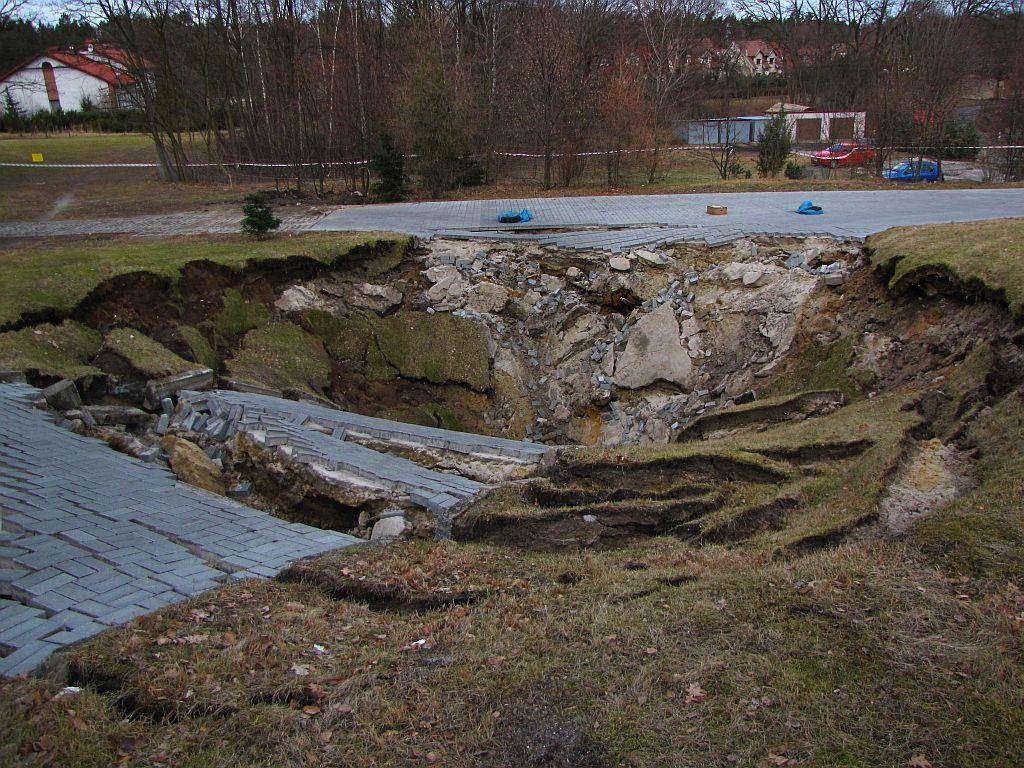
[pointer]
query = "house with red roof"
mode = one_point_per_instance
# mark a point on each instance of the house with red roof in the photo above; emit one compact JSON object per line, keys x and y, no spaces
{"x":756,"y":57}
{"x":68,"y":79}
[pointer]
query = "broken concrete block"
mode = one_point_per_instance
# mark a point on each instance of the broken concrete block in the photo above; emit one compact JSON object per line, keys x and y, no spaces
{"x":389,"y":528}
{"x":158,"y":389}
{"x":12,"y":377}
{"x":240,"y":490}
{"x":110,"y":415}
{"x":63,"y":395}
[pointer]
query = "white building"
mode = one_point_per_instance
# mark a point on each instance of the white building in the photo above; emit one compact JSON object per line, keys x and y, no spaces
{"x":56,"y":80}
{"x":807,"y":126}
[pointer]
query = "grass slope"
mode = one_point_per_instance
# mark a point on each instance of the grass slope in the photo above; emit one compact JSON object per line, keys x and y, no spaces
{"x":150,"y":358}
{"x":980,"y":254}
{"x":650,"y":656}
{"x":63,"y":350}
{"x":48,"y":277}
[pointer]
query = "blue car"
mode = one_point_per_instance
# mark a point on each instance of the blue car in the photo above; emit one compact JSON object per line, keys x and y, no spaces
{"x":909,"y":171}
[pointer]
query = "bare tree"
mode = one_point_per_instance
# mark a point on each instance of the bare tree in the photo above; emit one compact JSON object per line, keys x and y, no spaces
{"x":671,"y":41}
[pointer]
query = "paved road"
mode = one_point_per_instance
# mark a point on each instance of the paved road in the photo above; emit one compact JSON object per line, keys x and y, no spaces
{"x":92,"y":538}
{"x":682,"y":217}
{"x":636,"y":219}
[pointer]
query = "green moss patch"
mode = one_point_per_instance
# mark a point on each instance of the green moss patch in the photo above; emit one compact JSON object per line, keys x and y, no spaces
{"x":427,"y":415}
{"x":346,"y":339}
{"x":53,"y":350}
{"x":143,"y":354}
{"x":280,"y":355}
{"x":982,"y":256}
{"x":239,"y":316}
{"x":819,"y":366}
{"x":437,"y":348}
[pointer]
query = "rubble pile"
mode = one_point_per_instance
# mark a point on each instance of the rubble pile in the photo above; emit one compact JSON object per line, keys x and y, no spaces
{"x":627,"y":348}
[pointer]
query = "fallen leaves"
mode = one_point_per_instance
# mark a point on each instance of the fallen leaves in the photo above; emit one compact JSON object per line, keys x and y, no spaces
{"x":300,"y":670}
{"x":920,"y":761}
{"x":695,"y":693}
{"x":76,"y":722}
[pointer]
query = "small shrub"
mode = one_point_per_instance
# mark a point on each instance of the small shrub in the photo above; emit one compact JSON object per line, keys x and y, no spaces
{"x":469,"y":173}
{"x":794,"y":170}
{"x":389,"y":166}
{"x":736,"y":170}
{"x":773,"y":147}
{"x":258,"y":217}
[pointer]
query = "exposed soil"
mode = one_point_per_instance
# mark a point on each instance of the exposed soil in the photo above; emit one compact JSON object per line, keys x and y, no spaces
{"x":932,"y":477}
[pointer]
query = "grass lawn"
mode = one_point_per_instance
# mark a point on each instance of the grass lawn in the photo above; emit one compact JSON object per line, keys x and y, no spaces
{"x":984,"y":256}
{"x":48,"y":277}
{"x":31,"y":193}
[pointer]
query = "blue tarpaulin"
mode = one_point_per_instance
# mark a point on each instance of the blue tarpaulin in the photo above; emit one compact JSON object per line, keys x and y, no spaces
{"x":515,"y":217}
{"x":809,"y":209}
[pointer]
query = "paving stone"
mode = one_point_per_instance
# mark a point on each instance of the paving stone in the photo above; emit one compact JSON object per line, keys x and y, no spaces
{"x":26,"y":658}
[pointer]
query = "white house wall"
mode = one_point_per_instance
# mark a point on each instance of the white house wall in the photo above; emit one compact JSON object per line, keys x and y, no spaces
{"x":28,"y":89}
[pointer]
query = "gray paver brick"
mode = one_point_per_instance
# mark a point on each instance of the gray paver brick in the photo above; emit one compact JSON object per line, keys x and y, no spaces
{"x":26,"y":658}
{"x":91,"y":556}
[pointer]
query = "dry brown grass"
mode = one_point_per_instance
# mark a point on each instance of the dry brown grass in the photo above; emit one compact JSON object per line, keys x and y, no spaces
{"x":660,"y":654}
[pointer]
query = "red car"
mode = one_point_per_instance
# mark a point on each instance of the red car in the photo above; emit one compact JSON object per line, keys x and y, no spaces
{"x":844,"y":154}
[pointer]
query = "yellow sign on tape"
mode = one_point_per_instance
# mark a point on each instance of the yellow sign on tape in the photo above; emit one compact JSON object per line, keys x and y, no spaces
{"x":37,"y":157}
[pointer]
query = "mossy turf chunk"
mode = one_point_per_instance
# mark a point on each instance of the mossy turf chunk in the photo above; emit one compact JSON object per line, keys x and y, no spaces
{"x":239,"y":316}
{"x":199,"y":348}
{"x":150,"y":358}
{"x":438,"y":348}
{"x":984,"y":257}
{"x":54,"y":350}
{"x":280,"y":355}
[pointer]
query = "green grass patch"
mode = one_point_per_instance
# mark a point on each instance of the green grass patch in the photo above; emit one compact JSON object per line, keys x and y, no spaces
{"x":79,"y":148}
{"x":148,"y":357}
{"x":48,"y":277}
{"x":63,"y":350}
{"x":983,"y":256}
{"x":281,"y":355}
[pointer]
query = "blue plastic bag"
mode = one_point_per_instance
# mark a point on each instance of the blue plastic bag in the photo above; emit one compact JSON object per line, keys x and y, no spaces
{"x":809,"y":209}
{"x":515,"y":217}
